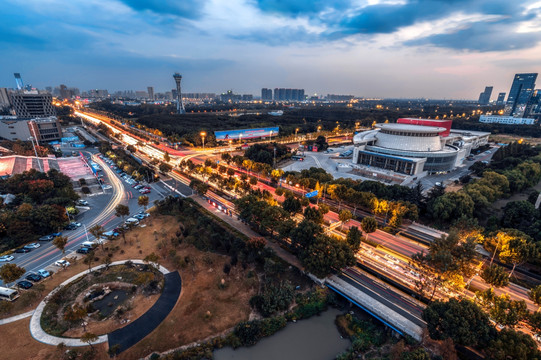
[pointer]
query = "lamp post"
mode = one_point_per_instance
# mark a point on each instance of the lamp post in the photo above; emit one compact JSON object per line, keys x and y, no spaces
{"x":203,"y":134}
{"x":271,"y":136}
{"x":296,"y":130}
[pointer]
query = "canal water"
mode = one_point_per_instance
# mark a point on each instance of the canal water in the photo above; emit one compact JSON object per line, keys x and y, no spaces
{"x":316,"y":338}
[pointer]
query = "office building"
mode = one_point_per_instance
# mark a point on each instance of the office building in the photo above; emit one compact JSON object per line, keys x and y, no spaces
{"x":281,"y":94}
{"x":521,"y":90}
{"x":484,"y":97}
{"x":32,"y":104}
{"x":4,"y":98}
{"x":501,"y":99}
{"x":507,"y":120}
{"x":266,"y":94}
{"x":334,"y":97}
{"x":41,"y":129}
{"x":150,"y":91}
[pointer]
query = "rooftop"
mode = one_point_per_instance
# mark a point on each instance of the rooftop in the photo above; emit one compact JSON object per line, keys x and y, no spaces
{"x":411,"y":128}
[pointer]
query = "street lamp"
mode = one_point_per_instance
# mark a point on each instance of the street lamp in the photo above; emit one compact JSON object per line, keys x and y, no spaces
{"x":271,"y":135}
{"x":203,"y":134}
{"x":296,"y":130}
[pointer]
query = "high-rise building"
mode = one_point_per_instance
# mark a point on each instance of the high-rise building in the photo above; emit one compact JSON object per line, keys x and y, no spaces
{"x":281,"y":94}
{"x":484,"y":97}
{"x":521,"y":90}
{"x":4,"y":98}
{"x":180,"y":105}
{"x":32,"y":104}
{"x":266,"y":94}
{"x":501,"y":99}
{"x":150,"y":91}
{"x":19,"y":81}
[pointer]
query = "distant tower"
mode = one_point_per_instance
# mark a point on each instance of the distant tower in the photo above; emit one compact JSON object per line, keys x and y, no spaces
{"x":180,"y":105}
{"x":19,"y":81}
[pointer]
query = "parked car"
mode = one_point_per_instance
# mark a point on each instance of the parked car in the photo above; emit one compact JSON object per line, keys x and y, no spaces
{"x":82,"y":202}
{"x":137,"y":187}
{"x":107,"y":187}
{"x":56,"y":234}
{"x":23,"y":250}
{"x":25,"y":284}
{"x":6,"y":258}
{"x":62,"y":263}
{"x":110,"y":234}
{"x":33,"y":246}
{"x":84,"y":250}
{"x":33,"y":277}
{"x":46,"y":238}
{"x":145,"y":214}
{"x":139,"y":216}
{"x":43,"y":273}
{"x":144,"y":191}
{"x":70,"y":227}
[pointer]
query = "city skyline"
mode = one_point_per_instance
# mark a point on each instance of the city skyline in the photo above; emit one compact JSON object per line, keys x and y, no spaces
{"x":392,"y":49}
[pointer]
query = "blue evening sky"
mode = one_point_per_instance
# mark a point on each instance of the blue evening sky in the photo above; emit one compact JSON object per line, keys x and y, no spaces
{"x":373,"y":48}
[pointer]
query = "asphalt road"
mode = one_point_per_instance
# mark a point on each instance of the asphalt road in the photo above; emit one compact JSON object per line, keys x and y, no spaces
{"x":131,"y":334}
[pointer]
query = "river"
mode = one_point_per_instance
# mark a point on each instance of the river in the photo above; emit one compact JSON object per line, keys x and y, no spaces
{"x":316,"y":339}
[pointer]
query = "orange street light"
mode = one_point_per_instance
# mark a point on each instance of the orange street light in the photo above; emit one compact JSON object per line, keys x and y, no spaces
{"x":203,"y":134}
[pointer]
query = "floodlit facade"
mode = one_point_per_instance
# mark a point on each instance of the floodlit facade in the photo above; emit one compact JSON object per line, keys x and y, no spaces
{"x":508,"y":120}
{"x":414,"y":150}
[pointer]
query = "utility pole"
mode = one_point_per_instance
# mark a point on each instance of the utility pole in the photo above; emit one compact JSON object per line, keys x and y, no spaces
{"x":274,"y":157}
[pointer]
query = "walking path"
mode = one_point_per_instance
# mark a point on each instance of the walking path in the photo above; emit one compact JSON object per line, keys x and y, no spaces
{"x":35,"y":322}
{"x":16,"y":317}
{"x":246,"y":230}
{"x":131,"y":334}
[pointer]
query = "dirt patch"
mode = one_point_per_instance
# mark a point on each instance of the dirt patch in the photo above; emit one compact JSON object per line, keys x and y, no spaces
{"x":139,"y":305}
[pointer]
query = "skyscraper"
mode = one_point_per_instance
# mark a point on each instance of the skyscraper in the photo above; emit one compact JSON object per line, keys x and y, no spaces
{"x":484,"y":97}
{"x":266,"y":94}
{"x":521,"y":90}
{"x":18,"y":81}
{"x":501,"y":99}
{"x":180,"y":105}
{"x":150,"y":91}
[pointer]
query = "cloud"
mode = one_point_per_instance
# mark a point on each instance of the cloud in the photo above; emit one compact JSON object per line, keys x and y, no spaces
{"x":301,"y":7}
{"x":190,"y":9}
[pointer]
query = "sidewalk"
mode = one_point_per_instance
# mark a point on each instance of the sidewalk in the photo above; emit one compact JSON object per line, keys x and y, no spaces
{"x":16,"y":317}
{"x":246,"y":230}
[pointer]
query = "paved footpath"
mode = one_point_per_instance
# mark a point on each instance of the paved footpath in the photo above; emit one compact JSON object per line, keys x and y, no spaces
{"x":16,"y":317}
{"x":246,"y":230}
{"x":35,"y":324}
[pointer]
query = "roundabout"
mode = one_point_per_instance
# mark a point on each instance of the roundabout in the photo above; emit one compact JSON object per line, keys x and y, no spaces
{"x":108,"y":300}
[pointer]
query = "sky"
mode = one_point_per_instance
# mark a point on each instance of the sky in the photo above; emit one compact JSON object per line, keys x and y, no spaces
{"x":373,"y":48}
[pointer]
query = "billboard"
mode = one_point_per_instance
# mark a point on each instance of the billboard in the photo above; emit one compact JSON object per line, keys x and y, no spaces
{"x":246,"y":133}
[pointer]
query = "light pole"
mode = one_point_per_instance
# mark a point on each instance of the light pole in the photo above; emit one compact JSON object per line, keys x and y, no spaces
{"x":271,"y":136}
{"x":86,"y":233}
{"x":296,"y":130}
{"x":36,"y":152}
{"x":203,"y":134}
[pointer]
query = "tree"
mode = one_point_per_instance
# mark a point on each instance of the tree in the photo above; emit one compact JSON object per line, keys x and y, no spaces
{"x":152,"y":258}
{"x":344,"y":216}
{"x":452,"y":205}
{"x":462,"y":320}
{"x":97,"y":230}
{"x":89,"y":338}
{"x":353,"y":238}
{"x":122,"y":211}
{"x":369,"y":225}
{"x":535,"y":295}
{"x":11,"y":272}
{"x":75,"y":313}
{"x":511,"y":344}
{"x":60,"y":242}
{"x":292,"y":205}
{"x":495,"y":275}
{"x":312,"y":214}
{"x":508,"y":312}
{"x":142,"y":201}
{"x":325,"y":254}
{"x":323,"y":208}
{"x":304,"y":235}
{"x":165,"y":168}
{"x":89,"y":259}
{"x":516,"y":247}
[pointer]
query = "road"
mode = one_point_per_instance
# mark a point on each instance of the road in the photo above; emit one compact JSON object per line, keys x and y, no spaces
{"x":101,"y":211}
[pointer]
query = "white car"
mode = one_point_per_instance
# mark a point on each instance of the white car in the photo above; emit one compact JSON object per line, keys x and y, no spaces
{"x":33,"y":246}
{"x":6,"y":258}
{"x":43,"y":273}
{"x":78,"y":224}
{"x":62,"y":263}
{"x":107,"y":187}
{"x":82,"y":202}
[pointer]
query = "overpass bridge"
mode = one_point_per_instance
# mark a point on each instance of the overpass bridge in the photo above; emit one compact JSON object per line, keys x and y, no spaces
{"x":397,"y":310}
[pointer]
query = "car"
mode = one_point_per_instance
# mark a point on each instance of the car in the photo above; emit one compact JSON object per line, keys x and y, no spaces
{"x":144,"y":191}
{"x":84,"y":250}
{"x":145,"y":214}
{"x":118,"y":171}
{"x":56,"y":234}
{"x":137,"y":187}
{"x":33,"y":277}
{"x":110,"y":234}
{"x":62,"y":263}
{"x":107,"y":187}
{"x":23,"y":250}
{"x":46,"y":238}
{"x":43,"y":273}
{"x":6,"y":258}
{"x":82,"y":202}
{"x":78,"y":224}
{"x":25,"y":284}
{"x":139,"y":216}
{"x":33,"y":245}
{"x":70,"y":227}
{"x":119,"y":230}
